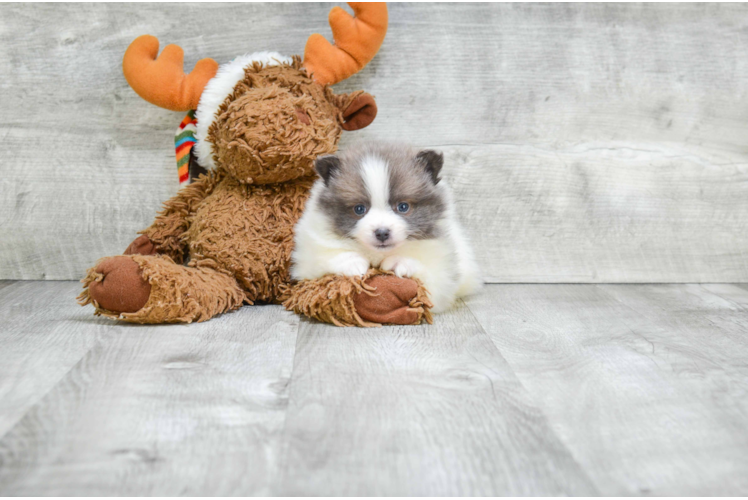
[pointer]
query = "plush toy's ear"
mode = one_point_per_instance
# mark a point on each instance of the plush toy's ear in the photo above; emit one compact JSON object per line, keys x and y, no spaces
{"x":326,"y":166}
{"x":359,"y":113}
{"x":432,"y":162}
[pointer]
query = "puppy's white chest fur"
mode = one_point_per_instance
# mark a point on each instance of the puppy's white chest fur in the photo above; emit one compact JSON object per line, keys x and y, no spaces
{"x":384,"y":206}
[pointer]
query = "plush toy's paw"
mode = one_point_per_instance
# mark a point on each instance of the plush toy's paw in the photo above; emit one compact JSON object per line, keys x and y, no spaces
{"x":120,"y":287}
{"x":391,"y":304}
{"x":350,"y":264}
{"x":403,"y":267}
{"x":142,"y":245}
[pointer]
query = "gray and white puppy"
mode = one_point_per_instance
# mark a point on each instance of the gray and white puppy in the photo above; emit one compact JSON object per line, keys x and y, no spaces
{"x":385,"y":205}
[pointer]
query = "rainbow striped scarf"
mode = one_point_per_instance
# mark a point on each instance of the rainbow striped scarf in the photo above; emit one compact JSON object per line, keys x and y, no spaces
{"x":183,"y":142}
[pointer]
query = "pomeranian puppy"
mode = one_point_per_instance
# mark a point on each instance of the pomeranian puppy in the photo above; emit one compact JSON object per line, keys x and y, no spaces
{"x":386,"y":206}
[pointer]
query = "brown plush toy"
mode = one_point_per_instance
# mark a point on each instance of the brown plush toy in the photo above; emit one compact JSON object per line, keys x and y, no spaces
{"x":261,"y":121}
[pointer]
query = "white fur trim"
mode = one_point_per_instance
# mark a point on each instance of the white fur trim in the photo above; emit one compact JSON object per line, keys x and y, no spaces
{"x":216,"y":91}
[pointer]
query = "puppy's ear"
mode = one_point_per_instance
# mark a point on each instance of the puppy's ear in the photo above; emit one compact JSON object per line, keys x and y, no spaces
{"x":326,"y":166}
{"x":432,"y":162}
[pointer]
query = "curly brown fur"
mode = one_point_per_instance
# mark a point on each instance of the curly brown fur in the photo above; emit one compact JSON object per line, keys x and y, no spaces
{"x":179,"y":294}
{"x":332,"y":299}
{"x":277,"y":105}
{"x":247,"y":230}
{"x":167,"y":231}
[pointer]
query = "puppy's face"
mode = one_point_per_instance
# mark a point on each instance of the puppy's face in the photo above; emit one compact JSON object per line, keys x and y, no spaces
{"x":382,"y":195}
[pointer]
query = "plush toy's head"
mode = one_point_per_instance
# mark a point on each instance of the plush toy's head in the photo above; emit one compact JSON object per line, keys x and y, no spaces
{"x":275,"y":122}
{"x":263,"y":117}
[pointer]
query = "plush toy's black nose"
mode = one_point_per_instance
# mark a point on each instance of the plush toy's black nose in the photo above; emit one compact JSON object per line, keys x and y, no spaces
{"x":382,"y":234}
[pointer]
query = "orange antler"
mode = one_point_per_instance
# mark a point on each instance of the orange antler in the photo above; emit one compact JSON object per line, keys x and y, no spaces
{"x":357,"y":40}
{"x":162,"y":81}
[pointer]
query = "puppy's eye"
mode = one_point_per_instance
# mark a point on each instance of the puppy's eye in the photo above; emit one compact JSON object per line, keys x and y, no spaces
{"x":359,"y":209}
{"x":403,"y":207}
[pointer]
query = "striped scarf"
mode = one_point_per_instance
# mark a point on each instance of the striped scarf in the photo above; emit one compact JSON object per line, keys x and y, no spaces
{"x":183,"y":142}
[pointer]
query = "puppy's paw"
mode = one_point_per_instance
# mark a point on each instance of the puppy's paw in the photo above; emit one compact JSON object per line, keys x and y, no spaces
{"x":403,"y":267}
{"x":350,"y":264}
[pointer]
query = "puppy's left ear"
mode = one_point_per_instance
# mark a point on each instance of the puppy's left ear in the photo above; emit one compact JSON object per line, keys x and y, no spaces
{"x":432,"y":162}
{"x":359,"y":112}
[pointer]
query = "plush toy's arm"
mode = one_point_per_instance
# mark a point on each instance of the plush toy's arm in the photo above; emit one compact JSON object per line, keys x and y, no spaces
{"x":372,"y":300}
{"x":164,"y":236}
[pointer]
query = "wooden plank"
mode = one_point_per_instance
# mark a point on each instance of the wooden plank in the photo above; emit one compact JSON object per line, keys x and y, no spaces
{"x":43,"y":335}
{"x":161,"y":410}
{"x":737,"y":293}
{"x":603,"y":142}
{"x":646,"y":384}
{"x":604,"y":213}
{"x":416,"y":411}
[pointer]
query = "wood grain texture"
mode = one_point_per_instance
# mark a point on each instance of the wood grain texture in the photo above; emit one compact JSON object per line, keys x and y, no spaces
{"x":598,"y":142}
{"x":424,"y":411}
{"x":645,"y":384}
{"x":564,"y":389}
{"x":167,"y":410}
{"x":41,"y":340}
{"x":734,"y":291}
{"x":603,"y":212}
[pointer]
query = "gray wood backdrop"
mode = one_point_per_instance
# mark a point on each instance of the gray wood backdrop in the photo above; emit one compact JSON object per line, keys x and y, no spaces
{"x":585,"y":143}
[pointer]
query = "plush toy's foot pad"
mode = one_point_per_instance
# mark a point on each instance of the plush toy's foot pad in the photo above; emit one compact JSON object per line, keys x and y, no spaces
{"x":154,"y":289}
{"x":391,"y":304}
{"x":142,"y":245}
{"x":378,"y":298}
{"x":119,"y":286}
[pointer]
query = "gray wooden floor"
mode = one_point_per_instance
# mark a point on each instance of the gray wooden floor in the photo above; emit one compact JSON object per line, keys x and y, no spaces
{"x":524,"y":389}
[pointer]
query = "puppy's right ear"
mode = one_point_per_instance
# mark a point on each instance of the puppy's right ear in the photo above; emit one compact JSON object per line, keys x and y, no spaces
{"x":326,"y":166}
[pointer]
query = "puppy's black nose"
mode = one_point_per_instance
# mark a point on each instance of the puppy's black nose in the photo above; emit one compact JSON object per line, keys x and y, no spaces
{"x":382,"y":234}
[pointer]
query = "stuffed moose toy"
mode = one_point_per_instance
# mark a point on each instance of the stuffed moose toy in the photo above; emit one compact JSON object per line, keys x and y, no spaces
{"x":260,"y":122}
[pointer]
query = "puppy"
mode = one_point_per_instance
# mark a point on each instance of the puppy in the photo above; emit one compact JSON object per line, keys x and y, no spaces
{"x":386,"y":206}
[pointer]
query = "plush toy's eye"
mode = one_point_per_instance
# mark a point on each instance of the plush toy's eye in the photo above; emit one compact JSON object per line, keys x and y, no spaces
{"x":359,"y":209}
{"x":403,"y":207}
